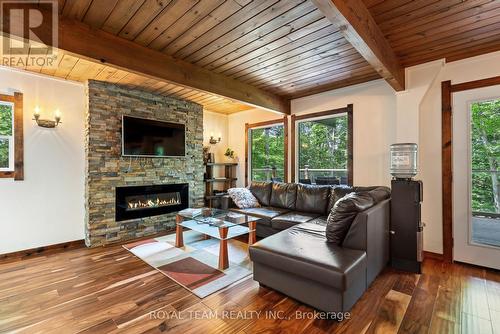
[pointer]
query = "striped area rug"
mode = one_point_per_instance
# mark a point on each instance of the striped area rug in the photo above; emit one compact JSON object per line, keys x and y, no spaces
{"x":194,"y":266}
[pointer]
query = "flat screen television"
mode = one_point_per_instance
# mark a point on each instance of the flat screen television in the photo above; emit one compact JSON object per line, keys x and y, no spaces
{"x":150,"y":138}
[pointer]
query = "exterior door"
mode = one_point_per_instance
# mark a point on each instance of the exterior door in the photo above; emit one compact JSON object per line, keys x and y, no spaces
{"x":476,"y":158}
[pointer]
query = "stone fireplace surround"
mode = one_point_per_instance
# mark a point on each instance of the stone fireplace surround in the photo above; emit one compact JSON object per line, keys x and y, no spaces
{"x":106,"y":169}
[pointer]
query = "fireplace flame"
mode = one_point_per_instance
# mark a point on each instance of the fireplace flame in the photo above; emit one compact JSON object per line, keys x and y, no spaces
{"x":138,"y":204}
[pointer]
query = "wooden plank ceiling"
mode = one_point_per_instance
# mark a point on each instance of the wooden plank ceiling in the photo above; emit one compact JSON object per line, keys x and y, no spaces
{"x":285,"y":47}
{"x":424,"y":30}
{"x":72,"y":67}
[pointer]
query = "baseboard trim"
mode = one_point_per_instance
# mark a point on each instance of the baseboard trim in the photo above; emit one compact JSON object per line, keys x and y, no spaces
{"x":43,"y":250}
{"x":434,"y":256}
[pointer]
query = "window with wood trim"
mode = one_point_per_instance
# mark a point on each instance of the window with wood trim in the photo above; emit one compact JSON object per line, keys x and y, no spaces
{"x":323,"y":147}
{"x":11,"y":136}
{"x":266,"y":151}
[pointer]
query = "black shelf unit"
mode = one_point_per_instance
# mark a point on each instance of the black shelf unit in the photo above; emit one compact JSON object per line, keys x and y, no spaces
{"x":225,"y":182}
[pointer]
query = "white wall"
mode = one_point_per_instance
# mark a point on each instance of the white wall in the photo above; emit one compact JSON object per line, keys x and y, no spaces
{"x":475,"y":68}
{"x":215,"y":124}
{"x":374,"y":113}
{"x":48,"y":206}
{"x":236,"y":133}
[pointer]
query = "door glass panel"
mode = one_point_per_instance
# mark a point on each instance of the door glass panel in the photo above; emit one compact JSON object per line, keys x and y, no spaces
{"x":485,"y":153}
{"x":267,"y":154}
{"x":322,"y":150}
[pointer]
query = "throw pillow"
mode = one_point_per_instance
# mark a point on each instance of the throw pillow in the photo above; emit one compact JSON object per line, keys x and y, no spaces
{"x":343,"y":213}
{"x":243,"y":198}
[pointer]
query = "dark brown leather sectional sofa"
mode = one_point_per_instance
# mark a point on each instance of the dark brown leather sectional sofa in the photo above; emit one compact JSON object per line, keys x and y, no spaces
{"x":295,"y":258}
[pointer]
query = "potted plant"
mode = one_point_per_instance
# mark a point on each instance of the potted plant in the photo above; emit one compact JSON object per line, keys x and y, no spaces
{"x":230,"y":154}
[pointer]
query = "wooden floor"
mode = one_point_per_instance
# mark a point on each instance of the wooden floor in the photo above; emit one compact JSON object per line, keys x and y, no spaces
{"x":108,"y":290}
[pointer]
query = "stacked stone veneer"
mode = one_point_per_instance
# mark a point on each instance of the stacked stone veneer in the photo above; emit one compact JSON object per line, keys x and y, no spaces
{"x":106,"y":169}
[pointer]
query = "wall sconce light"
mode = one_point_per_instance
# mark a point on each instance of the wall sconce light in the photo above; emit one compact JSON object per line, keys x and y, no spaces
{"x":213,"y":140}
{"x":46,"y":123}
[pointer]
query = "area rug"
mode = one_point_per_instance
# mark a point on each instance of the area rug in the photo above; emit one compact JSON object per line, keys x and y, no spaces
{"x":194,"y":266}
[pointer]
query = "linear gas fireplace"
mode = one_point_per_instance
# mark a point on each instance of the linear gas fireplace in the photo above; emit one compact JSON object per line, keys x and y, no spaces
{"x":145,"y":201}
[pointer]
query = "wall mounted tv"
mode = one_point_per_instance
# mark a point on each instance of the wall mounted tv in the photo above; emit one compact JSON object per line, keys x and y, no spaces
{"x":150,"y":138}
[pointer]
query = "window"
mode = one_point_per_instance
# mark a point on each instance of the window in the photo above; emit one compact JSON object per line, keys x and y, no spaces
{"x":266,"y":151}
{"x":6,"y":136}
{"x":11,"y":136}
{"x":485,"y":176}
{"x":323,"y":147}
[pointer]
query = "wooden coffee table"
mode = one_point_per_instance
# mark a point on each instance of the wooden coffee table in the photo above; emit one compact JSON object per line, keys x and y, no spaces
{"x":218,"y":224}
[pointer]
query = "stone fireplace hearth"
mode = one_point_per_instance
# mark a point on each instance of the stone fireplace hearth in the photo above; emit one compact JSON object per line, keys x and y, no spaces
{"x":107,"y":170}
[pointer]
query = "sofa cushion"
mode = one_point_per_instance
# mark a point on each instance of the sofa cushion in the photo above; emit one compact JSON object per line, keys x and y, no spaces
{"x":266,"y":213}
{"x":312,"y":199}
{"x":344,"y":211}
{"x":290,"y":219}
{"x":262,"y":191}
{"x":283,"y":195}
{"x":320,"y":220}
{"x":302,"y":250}
{"x":243,"y":198}
{"x":378,"y":193}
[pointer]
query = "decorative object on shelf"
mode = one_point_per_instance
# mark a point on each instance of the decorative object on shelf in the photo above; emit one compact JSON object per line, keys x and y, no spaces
{"x":206,"y":154}
{"x":230,"y":154}
{"x":214,"y":140}
{"x":46,"y":123}
{"x":404,"y":160}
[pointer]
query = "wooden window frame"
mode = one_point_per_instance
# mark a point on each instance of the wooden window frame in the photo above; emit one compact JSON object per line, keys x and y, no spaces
{"x":447,"y":90}
{"x":249,"y":126}
{"x":350,"y":141}
{"x":18,"y":172}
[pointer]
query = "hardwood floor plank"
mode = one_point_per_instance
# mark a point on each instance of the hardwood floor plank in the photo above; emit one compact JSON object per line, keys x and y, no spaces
{"x":107,"y":290}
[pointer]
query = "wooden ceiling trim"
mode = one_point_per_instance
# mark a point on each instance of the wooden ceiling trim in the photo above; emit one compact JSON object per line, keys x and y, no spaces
{"x":244,"y":29}
{"x":65,"y":66}
{"x":98,"y":45}
{"x":247,"y":13}
{"x":299,"y":58}
{"x":121,"y":15}
{"x":194,"y":15}
{"x":307,"y":37}
{"x":276,"y":28}
{"x":333,"y":58}
{"x":360,"y":29}
{"x":271,"y":41}
{"x":220,"y":14}
{"x":354,"y":80}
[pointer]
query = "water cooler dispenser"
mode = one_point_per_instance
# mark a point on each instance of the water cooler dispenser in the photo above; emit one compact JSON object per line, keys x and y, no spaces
{"x":406,"y":239}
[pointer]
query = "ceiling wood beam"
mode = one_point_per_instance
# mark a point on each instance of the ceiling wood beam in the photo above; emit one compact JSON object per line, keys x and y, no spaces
{"x":100,"y":46}
{"x":357,"y":25}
